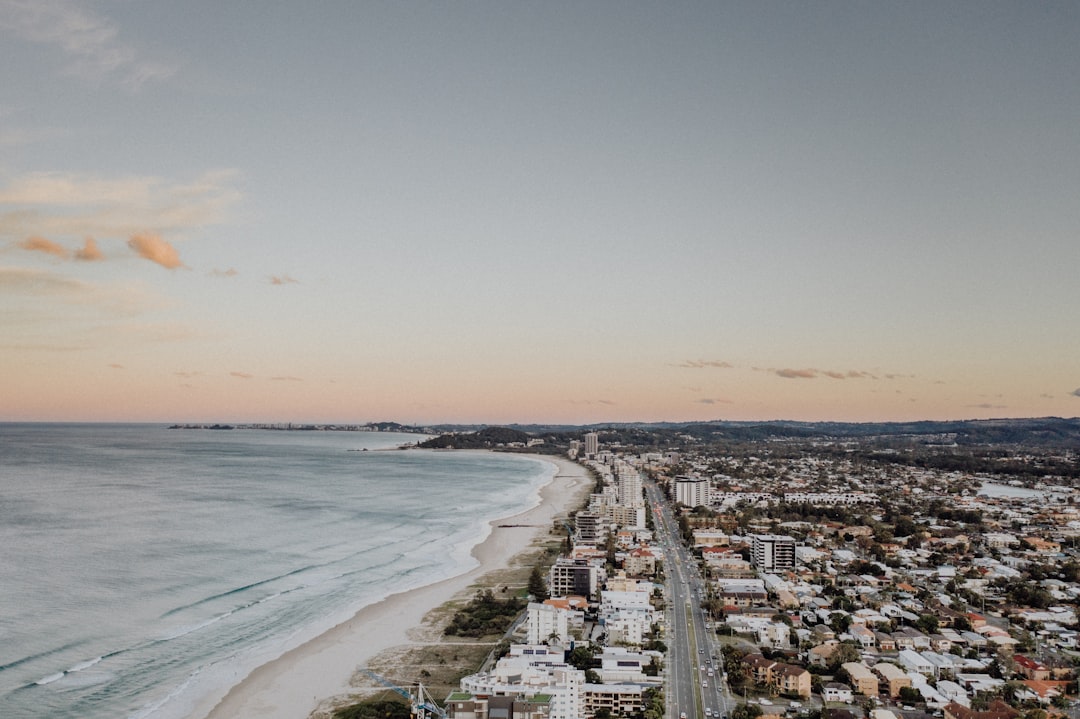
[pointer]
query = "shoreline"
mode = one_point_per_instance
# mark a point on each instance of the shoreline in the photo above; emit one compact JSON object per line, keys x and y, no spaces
{"x":317,"y":674}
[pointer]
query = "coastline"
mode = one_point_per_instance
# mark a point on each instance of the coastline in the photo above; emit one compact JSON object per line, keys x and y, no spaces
{"x":317,"y":674}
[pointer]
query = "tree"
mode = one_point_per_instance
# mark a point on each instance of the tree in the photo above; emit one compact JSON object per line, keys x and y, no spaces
{"x":910,"y":695}
{"x":927,"y":623}
{"x":746,"y":711}
{"x":537,"y":586}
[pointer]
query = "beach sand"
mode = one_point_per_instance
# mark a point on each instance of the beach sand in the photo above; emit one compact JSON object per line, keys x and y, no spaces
{"x":317,"y":673}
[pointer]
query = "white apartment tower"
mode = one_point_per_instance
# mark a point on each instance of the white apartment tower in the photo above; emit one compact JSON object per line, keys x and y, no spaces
{"x":592,"y":444}
{"x":692,"y":491}
{"x":630,"y":487}
{"x":772,"y":552}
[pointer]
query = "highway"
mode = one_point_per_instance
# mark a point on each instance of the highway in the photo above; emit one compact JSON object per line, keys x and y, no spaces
{"x":692,"y":646}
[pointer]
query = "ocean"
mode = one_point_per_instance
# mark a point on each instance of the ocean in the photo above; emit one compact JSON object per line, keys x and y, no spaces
{"x":142,"y":567}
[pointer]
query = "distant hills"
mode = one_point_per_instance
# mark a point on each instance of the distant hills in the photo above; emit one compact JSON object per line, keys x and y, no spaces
{"x":1038,"y":432}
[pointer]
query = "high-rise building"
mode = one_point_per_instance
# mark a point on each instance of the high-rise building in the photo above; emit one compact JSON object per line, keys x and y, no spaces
{"x":629,"y":485}
{"x":692,"y":491}
{"x":592,"y":444}
{"x":772,"y":552}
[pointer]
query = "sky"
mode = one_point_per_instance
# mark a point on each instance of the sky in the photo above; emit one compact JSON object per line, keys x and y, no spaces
{"x":569,"y":212}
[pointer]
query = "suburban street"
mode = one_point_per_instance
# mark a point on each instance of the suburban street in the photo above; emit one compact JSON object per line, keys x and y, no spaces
{"x":692,"y":647}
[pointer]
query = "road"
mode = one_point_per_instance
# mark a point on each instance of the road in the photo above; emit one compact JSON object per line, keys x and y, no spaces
{"x":692,"y":646}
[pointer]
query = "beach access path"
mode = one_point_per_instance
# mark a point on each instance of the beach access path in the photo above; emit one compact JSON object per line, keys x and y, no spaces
{"x":319,"y":671}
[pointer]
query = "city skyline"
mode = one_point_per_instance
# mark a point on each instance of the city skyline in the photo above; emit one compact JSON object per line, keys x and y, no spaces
{"x":568,"y":213}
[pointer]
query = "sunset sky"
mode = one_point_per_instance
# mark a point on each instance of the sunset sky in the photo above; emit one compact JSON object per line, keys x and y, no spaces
{"x":538,"y":212}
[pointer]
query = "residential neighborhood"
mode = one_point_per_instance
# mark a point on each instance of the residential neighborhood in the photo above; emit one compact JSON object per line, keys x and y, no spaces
{"x":835,"y":587}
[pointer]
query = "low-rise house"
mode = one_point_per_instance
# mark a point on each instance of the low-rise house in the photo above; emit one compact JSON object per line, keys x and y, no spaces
{"x":915,"y":662}
{"x":837,"y":692}
{"x":997,"y":710}
{"x":885,"y":642}
{"x":1030,"y":668}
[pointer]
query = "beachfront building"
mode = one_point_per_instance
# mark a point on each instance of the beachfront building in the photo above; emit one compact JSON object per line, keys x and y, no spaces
{"x":589,"y":528}
{"x":462,"y":705}
{"x":772,"y":552}
{"x":692,"y":491}
{"x":619,"y":699}
{"x":619,"y":665}
{"x":572,"y":576}
{"x":530,"y":670}
{"x":627,"y":616}
{"x":547,"y":623}
{"x":592,"y":444}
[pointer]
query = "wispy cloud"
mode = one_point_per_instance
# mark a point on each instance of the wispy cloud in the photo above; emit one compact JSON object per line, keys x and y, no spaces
{"x":241,"y":375}
{"x":283,"y":280}
{"x":72,"y":205}
{"x":797,"y":373}
{"x":40,"y":244}
{"x":987,"y":405}
{"x":286,"y":378}
{"x":811,"y":373}
{"x":224,"y":273}
{"x":701,"y":364}
{"x":114,"y":365}
{"x":711,"y":400}
{"x":38,"y":286}
{"x":153,"y":248}
{"x":90,"y":42}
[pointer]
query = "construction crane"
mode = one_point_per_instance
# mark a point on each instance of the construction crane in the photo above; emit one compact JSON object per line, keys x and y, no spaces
{"x":421,"y":703}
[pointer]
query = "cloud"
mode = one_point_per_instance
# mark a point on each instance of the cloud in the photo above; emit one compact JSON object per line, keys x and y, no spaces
{"x":1076,"y":392}
{"x":153,"y":248}
{"x":701,"y":364}
{"x":89,"y":41}
{"x":987,"y":405}
{"x":37,"y":287}
{"x":708,"y":400}
{"x":811,"y":373}
{"x":59,"y":204}
{"x":185,"y":374}
{"x":241,"y":375}
{"x":40,"y":244}
{"x":797,"y":373}
{"x":283,"y":280}
{"x":286,"y":378}
{"x":224,"y":273}
{"x":116,"y":366}
{"x":89,"y":251}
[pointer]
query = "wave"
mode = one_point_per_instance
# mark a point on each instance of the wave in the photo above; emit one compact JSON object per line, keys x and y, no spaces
{"x":84,"y":665}
{"x":50,"y":679}
{"x":39,"y":655}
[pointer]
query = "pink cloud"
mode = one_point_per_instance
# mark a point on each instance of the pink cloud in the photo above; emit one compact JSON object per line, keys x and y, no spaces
{"x":40,"y":244}
{"x":241,"y":375}
{"x":283,"y":280}
{"x":153,"y":248}
{"x":89,"y":251}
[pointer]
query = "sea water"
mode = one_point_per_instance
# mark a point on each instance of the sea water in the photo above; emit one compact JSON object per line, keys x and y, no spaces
{"x":143,"y":568}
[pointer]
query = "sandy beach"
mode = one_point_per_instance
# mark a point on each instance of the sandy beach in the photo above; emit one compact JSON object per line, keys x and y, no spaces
{"x":319,"y":671}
